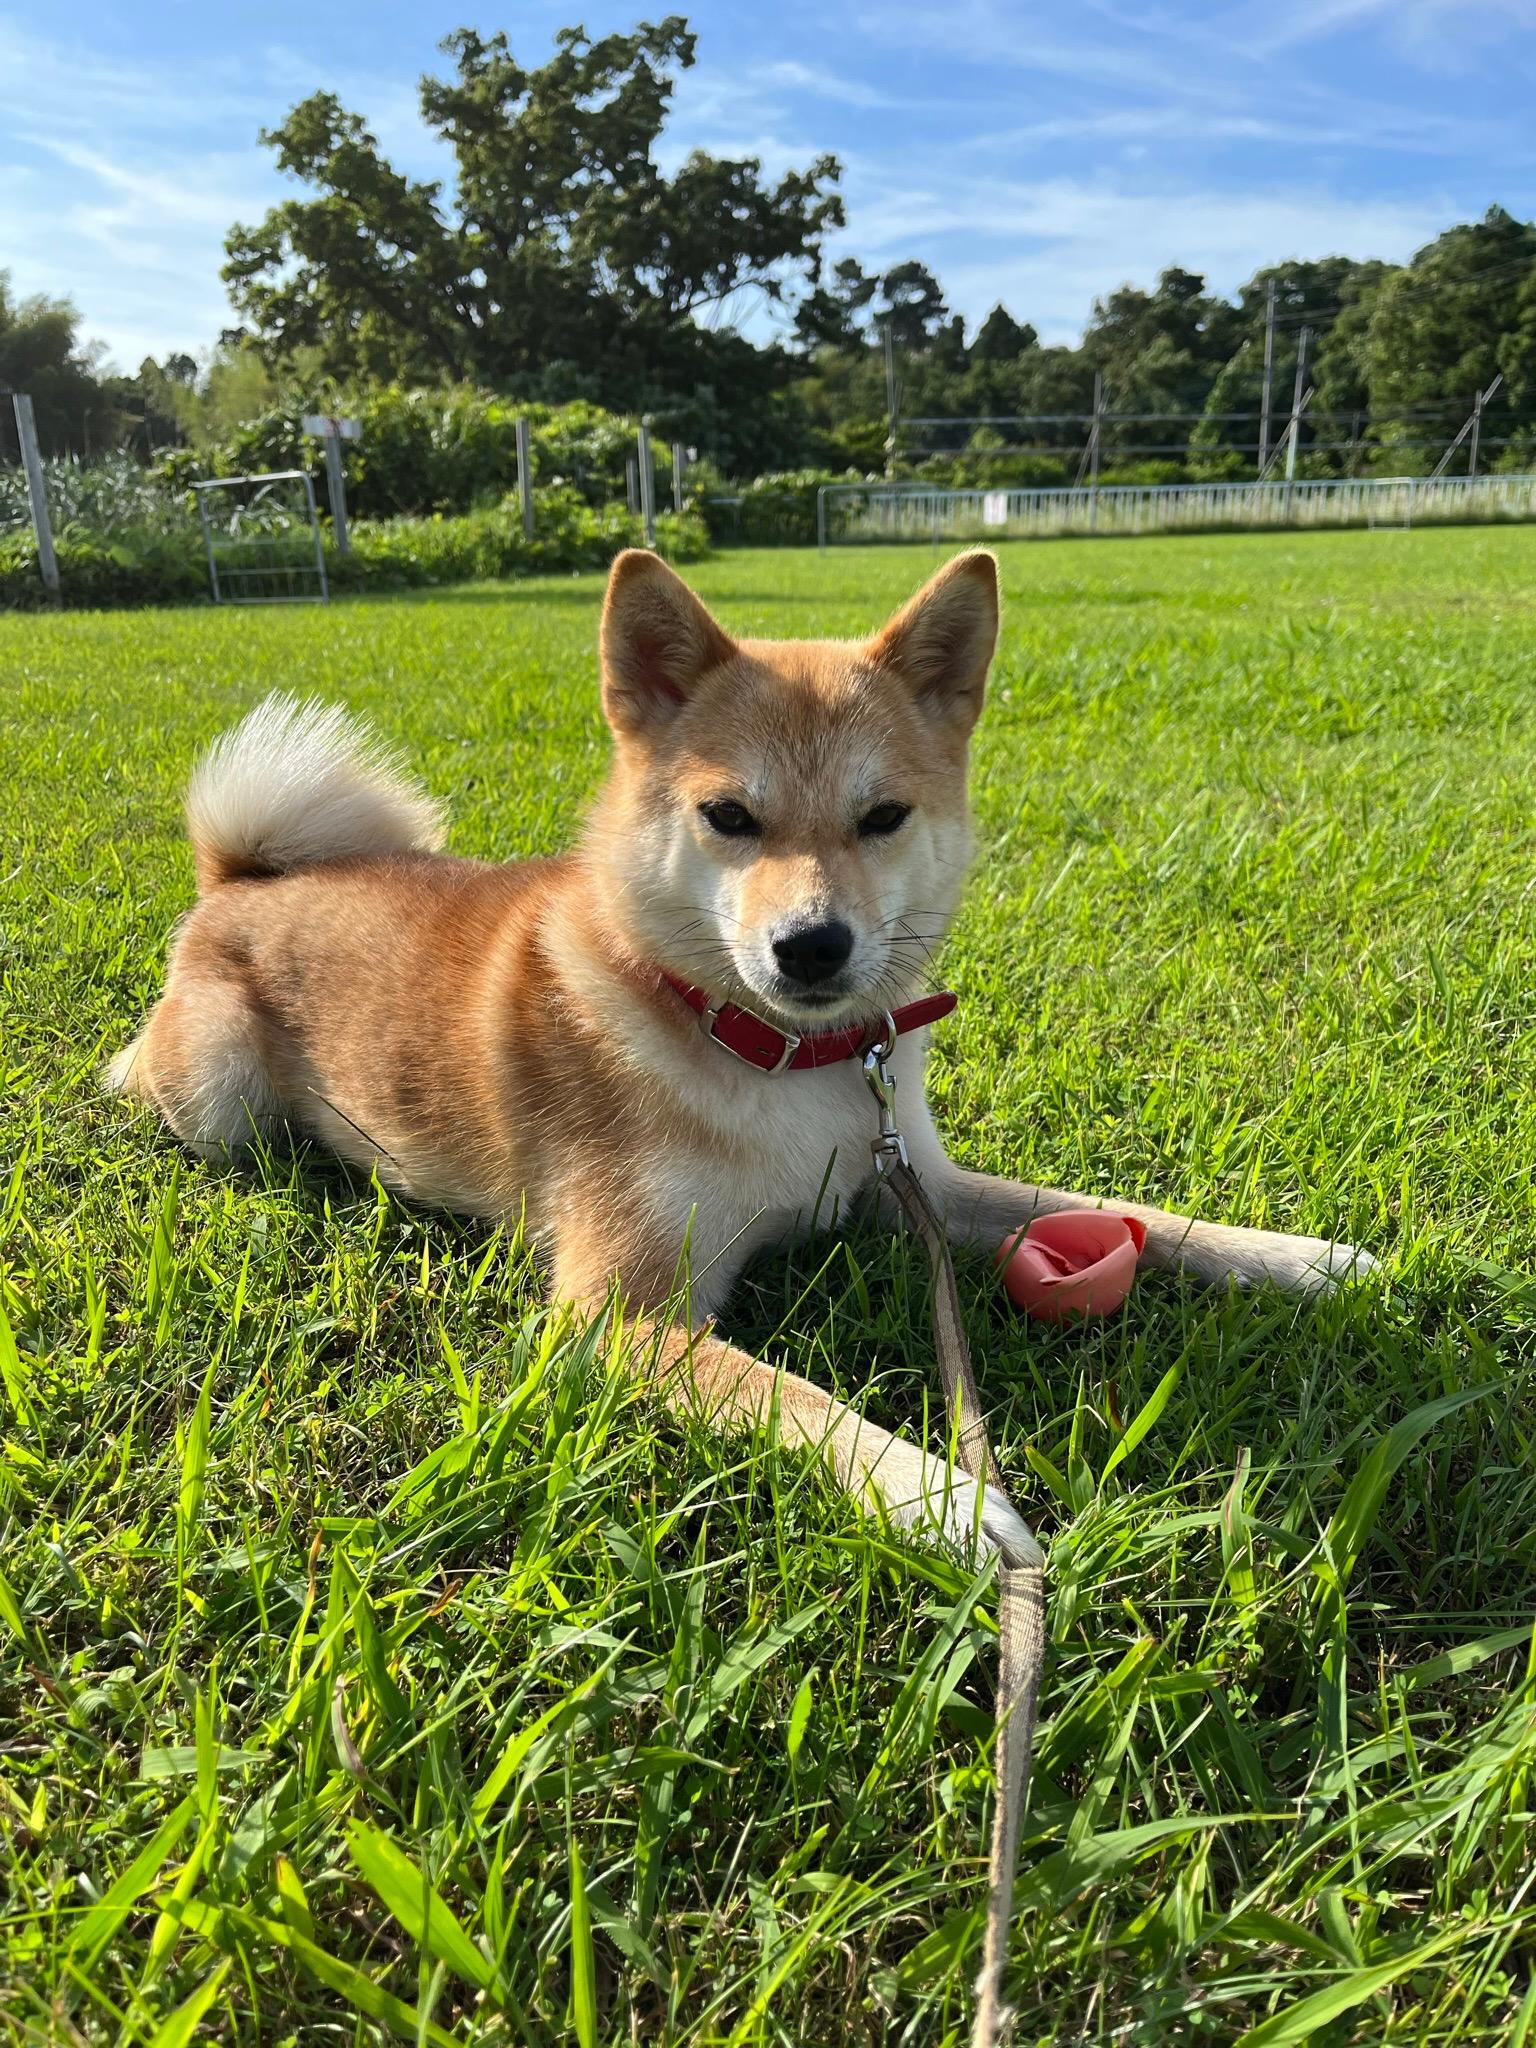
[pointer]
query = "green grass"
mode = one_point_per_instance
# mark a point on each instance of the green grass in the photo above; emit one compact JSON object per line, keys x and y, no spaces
{"x":373,"y":1657}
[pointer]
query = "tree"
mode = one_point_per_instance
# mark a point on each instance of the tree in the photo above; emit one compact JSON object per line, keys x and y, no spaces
{"x":41,"y":354}
{"x":1442,"y":327}
{"x":1000,"y":338}
{"x":1159,"y":351}
{"x":911,"y":305}
{"x":835,"y":315}
{"x":1331,"y":297}
{"x":560,"y":242}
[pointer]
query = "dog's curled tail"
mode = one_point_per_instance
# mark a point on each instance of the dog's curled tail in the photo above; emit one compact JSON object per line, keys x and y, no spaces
{"x":294,"y":784}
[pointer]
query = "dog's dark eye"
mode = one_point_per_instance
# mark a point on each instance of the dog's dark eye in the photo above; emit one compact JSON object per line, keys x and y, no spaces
{"x":731,"y":820}
{"x":883,"y":819}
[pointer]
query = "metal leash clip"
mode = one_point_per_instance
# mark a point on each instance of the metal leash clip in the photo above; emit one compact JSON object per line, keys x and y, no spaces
{"x":889,"y":1147}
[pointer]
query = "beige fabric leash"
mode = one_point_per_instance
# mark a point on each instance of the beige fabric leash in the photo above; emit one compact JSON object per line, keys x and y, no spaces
{"x":1020,"y":1579}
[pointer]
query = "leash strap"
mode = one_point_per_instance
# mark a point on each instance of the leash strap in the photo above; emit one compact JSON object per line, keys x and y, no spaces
{"x":1021,"y":1577}
{"x":1020,"y":1607}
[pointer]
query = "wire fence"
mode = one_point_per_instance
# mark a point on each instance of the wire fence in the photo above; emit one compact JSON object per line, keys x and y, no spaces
{"x":907,"y":512}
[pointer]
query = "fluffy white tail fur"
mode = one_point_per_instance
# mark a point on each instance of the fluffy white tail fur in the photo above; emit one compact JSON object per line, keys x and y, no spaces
{"x":295,"y":783}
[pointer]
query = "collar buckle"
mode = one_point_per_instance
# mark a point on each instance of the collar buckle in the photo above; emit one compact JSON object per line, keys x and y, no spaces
{"x":791,"y":1039}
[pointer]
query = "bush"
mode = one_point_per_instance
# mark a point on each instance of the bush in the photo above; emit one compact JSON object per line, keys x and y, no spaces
{"x":451,"y":449}
{"x":1151,"y":472}
{"x":133,"y":566}
{"x":771,"y":511}
{"x":120,"y":566}
{"x":1012,"y":469}
{"x":474,"y":545}
{"x":116,"y":491}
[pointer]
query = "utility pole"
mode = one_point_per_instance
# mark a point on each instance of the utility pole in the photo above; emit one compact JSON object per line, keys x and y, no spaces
{"x":37,"y":492}
{"x":1298,"y":400}
{"x":1269,"y":376}
{"x":1094,"y":443}
{"x":1472,"y":425}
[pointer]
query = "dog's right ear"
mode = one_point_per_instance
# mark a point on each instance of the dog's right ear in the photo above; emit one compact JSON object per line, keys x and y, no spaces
{"x":657,"y":642}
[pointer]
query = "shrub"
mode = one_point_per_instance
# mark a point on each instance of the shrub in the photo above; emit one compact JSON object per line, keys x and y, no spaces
{"x":1016,"y":469}
{"x":771,"y":511}
{"x":131,"y":566}
{"x":448,"y":449}
{"x":1149,"y":472}
{"x":116,"y":491}
{"x":120,"y":566}
{"x":469,"y":546}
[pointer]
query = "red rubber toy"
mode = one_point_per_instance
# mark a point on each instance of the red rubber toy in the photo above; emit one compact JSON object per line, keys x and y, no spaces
{"x":1078,"y":1263}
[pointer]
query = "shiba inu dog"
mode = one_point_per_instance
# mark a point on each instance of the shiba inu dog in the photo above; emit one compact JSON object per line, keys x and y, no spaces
{"x":649,"y":1044}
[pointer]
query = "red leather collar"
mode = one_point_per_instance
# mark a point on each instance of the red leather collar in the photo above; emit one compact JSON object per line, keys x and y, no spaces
{"x":771,"y":1051}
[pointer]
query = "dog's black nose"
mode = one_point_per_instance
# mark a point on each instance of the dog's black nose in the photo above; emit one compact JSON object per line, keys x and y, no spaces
{"x":814,"y":952}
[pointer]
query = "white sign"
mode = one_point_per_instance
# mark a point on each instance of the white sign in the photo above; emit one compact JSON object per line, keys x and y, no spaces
{"x":994,"y":509}
{"x":323,"y":424}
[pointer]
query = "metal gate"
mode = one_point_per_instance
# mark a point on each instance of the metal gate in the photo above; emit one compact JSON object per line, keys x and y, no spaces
{"x":262,"y":535}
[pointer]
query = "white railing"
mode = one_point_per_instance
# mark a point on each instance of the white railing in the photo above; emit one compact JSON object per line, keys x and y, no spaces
{"x":919,"y":512}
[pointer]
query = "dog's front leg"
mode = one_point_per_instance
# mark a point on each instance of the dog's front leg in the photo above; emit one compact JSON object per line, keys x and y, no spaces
{"x":979,"y":1208}
{"x":700,"y":1374}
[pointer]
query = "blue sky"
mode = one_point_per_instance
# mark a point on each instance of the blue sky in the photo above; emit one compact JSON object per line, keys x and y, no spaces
{"x":1040,"y":154}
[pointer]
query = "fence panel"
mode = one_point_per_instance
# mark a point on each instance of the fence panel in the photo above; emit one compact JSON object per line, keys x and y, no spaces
{"x":917,"y":512}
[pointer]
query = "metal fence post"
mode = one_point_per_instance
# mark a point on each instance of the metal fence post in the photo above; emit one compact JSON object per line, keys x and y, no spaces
{"x":647,"y":483}
{"x":314,"y":527}
{"x":525,"y":473}
{"x":679,"y":471}
{"x":336,"y":484}
{"x":37,"y":494}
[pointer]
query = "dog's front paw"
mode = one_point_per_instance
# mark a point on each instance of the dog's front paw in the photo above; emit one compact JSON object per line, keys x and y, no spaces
{"x":923,"y":1493}
{"x":1316,"y":1265}
{"x":998,"y":1530}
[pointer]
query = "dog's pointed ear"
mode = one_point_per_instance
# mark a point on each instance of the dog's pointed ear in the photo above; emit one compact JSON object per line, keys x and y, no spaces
{"x":942,"y":641}
{"x":657,"y":642}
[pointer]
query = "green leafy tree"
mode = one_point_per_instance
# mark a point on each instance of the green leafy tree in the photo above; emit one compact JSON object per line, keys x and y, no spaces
{"x":41,"y":354}
{"x":911,"y":305}
{"x":835,"y":314}
{"x":562,"y":244}
{"x":1442,"y":327}
{"x":1331,"y":298}
{"x":1160,"y":351}
{"x":1002,"y":339}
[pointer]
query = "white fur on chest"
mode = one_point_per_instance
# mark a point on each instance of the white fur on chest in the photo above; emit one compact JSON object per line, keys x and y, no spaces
{"x":790,"y":1155}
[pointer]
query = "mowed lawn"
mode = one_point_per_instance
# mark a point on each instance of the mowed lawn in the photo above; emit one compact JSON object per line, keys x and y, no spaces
{"x":375,"y":1658}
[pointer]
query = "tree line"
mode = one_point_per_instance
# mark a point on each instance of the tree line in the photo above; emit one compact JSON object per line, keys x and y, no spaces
{"x":561,"y":262}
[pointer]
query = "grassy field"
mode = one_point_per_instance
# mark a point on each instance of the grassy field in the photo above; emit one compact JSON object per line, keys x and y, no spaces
{"x":375,"y":1659}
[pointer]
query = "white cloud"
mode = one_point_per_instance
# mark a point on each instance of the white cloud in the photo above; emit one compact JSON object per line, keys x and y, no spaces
{"x":1059,"y":151}
{"x":126,"y":178}
{"x":823,"y":84}
{"x":1052,"y":246}
{"x":1435,"y":34}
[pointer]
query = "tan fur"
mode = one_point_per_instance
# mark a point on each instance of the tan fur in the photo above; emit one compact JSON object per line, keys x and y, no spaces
{"x":500,"y":1039}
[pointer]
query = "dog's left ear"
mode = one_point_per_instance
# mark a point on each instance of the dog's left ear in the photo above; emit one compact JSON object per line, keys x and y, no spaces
{"x":942,"y":641}
{"x":657,"y":643}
